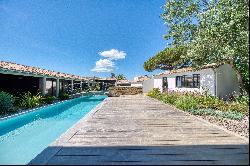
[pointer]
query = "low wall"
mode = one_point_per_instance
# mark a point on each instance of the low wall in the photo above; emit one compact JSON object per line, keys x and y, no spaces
{"x":125,"y":90}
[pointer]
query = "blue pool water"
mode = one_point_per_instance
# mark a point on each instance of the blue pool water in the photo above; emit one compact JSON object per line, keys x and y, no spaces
{"x":25,"y":136}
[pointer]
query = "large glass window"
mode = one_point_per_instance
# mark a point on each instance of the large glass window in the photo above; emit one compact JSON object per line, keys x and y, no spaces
{"x":196,"y":78}
{"x":178,"y":81}
{"x":188,"y":81}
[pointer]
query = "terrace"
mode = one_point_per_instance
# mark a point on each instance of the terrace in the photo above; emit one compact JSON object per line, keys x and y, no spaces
{"x":140,"y":130}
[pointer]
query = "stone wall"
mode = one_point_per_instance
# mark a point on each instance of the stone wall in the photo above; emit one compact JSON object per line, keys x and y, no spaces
{"x":116,"y":91}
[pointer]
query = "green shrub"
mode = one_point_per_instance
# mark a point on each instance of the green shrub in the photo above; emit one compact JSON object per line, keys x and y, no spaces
{"x":155,"y":93}
{"x":6,"y":102}
{"x":48,"y":99}
{"x":186,"y":102}
{"x":27,"y":100}
{"x":63,"y":96}
{"x":210,"y":102}
{"x":234,"y":106}
{"x":219,"y":114}
{"x":170,"y":98}
{"x":242,"y":99}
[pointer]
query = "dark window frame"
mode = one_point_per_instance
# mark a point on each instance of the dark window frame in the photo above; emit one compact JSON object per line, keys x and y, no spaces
{"x":178,"y":78}
{"x":196,"y":83}
{"x":183,"y":81}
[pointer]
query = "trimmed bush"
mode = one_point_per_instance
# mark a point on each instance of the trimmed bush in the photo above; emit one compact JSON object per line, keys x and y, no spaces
{"x":6,"y":102}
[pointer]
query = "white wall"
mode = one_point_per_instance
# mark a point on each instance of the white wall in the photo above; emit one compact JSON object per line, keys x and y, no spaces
{"x":207,"y":81}
{"x":222,"y":82}
{"x":227,"y":81}
{"x":136,"y":84}
{"x":158,"y":83}
{"x":148,"y":85}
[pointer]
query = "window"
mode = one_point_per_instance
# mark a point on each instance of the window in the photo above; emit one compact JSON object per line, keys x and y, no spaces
{"x":188,"y":81}
{"x":178,"y":81}
{"x":196,"y":78}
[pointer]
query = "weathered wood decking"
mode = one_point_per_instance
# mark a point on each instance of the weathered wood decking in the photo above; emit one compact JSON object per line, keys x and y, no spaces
{"x":140,"y":130}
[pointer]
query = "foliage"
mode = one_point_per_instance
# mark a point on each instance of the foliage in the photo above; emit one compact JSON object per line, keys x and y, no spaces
{"x":192,"y":101}
{"x":87,"y":89}
{"x":28,"y":100}
{"x":168,"y":59}
{"x":97,"y":87}
{"x":186,"y":103}
{"x":208,"y":101}
{"x":154,"y":93}
{"x":170,"y":98}
{"x":226,"y":24}
{"x":63,"y":96}
{"x":235,"y":115}
{"x":48,"y":99}
{"x":120,"y":77}
{"x":112,"y":75}
{"x":212,"y":31}
{"x":6,"y":102}
{"x":181,"y":19}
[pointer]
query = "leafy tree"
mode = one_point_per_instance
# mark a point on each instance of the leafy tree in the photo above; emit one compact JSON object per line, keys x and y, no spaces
{"x":168,"y":59}
{"x":181,"y":19}
{"x":212,"y":31}
{"x":120,"y":77}
{"x":222,"y":36}
{"x":112,"y":75}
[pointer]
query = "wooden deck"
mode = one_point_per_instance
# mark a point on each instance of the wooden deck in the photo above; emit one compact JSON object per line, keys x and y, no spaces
{"x":140,"y":130}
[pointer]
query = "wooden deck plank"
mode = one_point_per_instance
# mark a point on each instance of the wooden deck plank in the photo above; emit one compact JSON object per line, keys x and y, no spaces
{"x":138,"y":130}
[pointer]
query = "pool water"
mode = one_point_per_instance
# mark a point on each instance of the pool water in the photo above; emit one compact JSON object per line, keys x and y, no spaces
{"x":25,"y":136}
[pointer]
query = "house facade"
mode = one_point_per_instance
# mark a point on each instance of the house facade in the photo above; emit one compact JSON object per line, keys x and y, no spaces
{"x":217,"y":80}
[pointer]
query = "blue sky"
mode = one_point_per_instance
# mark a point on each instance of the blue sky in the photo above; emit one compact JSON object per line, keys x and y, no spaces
{"x":82,"y":37}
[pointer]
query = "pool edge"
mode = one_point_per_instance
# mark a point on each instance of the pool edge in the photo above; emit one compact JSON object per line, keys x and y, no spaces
{"x":48,"y":152}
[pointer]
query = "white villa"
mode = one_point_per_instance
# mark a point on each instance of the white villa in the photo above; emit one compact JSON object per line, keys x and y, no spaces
{"x":217,"y":80}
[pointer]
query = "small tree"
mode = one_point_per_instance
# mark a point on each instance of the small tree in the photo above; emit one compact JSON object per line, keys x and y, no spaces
{"x":168,"y":59}
{"x":121,"y":77}
{"x":112,"y":75}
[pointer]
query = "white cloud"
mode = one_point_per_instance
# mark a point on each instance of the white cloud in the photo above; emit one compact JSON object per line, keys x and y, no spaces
{"x":104,"y":65}
{"x":113,"y":54}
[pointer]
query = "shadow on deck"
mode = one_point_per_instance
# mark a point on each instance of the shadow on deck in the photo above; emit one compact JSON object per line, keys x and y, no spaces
{"x":145,"y":155}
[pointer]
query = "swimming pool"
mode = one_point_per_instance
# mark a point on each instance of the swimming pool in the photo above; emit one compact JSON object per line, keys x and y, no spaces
{"x":25,"y":136}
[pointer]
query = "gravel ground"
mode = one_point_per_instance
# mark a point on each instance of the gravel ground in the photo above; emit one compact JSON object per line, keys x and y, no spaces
{"x":239,"y":127}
